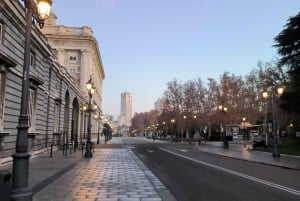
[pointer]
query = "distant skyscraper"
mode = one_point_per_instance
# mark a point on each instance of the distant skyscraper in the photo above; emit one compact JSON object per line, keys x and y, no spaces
{"x":126,"y":109}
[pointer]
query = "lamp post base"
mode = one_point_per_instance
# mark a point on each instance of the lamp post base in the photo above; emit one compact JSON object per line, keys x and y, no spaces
{"x":25,"y":195}
{"x":98,"y":139}
{"x":88,"y":155}
{"x":22,"y":195}
{"x":88,"y":152}
{"x":20,"y":191}
{"x":276,"y":153}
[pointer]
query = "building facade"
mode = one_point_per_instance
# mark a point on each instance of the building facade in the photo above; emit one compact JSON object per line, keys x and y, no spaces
{"x":126,"y":110}
{"x":55,"y":114}
{"x":77,"y":50}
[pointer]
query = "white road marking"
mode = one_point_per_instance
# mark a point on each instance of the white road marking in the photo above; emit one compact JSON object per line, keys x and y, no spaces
{"x":290,"y":190}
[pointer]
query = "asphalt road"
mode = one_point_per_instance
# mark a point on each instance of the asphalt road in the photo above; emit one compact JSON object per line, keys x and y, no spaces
{"x":194,"y":176}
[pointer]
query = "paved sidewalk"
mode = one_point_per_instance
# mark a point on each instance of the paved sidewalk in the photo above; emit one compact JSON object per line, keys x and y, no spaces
{"x":237,"y":150}
{"x":113,"y":174}
{"x":44,"y":169}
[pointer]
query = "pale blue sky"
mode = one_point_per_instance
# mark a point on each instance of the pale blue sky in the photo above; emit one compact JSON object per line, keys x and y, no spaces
{"x":146,"y":43}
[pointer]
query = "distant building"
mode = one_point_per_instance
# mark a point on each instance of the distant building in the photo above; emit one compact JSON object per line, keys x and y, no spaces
{"x":109,"y":117}
{"x":126,"y":110}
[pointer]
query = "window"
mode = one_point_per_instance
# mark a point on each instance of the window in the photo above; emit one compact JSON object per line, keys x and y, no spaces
{"x":32,"y":60}
{"x":2,"y":92}
{"x":73,"y":69}
{"x":32,"y":109}
{"x":73,"y":57}
{"x":56,"y":117}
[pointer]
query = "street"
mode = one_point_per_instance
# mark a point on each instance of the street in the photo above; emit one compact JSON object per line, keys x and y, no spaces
{"x":193,"y":175}
{"x":140,"y":169}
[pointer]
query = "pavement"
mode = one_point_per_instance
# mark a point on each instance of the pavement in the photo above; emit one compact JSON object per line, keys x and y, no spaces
{"x":116,"y":174}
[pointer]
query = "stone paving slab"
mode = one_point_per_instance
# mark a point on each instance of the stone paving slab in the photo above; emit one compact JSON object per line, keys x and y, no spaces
{"x":111,"y":175}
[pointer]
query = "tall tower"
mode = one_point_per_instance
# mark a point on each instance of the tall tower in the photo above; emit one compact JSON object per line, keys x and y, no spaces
{"x":126,"y":109}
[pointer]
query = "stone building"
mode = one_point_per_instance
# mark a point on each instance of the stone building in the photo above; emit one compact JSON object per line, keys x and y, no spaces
{"x":55,"y":115}
{"x":77,"y":50}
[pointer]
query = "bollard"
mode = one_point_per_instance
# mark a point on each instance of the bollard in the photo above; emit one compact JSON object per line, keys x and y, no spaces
{"x":5,"y":185}
{"x":75,"y":146}
{"x":82,"y":147}
{"x":51,"y":147}
{"x":70,"y":148}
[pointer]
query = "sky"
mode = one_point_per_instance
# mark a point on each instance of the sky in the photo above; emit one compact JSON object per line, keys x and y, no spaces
{"x":144,"y":44}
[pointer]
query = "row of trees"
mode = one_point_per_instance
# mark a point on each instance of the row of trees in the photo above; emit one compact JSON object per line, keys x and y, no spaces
{"x":242,"y":96}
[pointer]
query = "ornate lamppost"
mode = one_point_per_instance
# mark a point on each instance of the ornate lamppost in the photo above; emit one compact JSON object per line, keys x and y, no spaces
{"x":91,"y":89}
{"x":280,"y":91}
{"x":35,"y":13}
{"x":225,"y":141}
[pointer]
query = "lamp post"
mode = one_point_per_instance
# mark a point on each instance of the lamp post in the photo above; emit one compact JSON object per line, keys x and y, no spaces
{"x":84,"y":119}
{"x":244,"y":122}
{"x":244,"y":127}
{"x":280,"y":91}
{"x":98,"y":134}
{"x":184,"y":118}
{"x":225,"y":141}
{"x":35,"y":12}
{"x":91,"y":90}
{"x":164,"y":130}
{"x":189,"y":130}
{"x":173,"y":126}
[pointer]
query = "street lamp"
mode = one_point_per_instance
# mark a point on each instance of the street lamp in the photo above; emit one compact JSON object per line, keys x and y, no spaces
{"x":244,"y":127}
{"x":84,"y":108}
{"x":191,"y":123}
{"x":189,"y":130}
{"x":173,"y":126}
{"x":35,"y":12}
{"x":99,"y":118}
{"x":280,"y":91}
{"x":225,"y":142}
{"x":91,"y":89}
{"x":244,"y":121}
